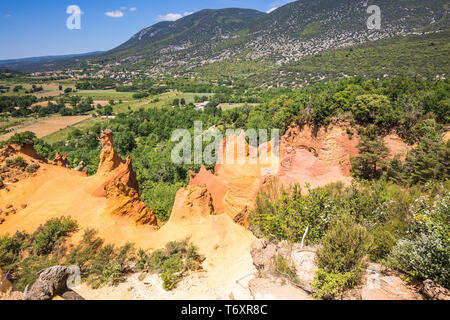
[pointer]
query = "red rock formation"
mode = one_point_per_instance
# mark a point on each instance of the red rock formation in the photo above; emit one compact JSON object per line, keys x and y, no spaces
{"x":26,"y":149}
{"x":120,"y":186}
{"x":214,"y":185}
{"x":125,"y":201}
{"x":113,"y":168}
{"x":308,"y":155}
{"x":192,"y":202}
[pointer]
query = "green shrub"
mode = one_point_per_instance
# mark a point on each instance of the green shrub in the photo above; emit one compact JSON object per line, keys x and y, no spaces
{"x":426,"y":257}
{"x":10,"y":248}
{"x":100,"y":265}
{"x":54,"y":230}
{"x":16,"y":162}
{"x":282,"y":215}
{"x":22,"y":138}
{"x":340,"y":258}
{"x":371,"y":161}
{"x":29,"y":269}
{"x":330,"y":286}
{"x":108,"y":266}
{"x":343,"y":247}
{"x":284,"y":268}
{"x":30,"y":169}
{"x":172,"y":263}
{"x":382,"y":240}
{"x":85,"y":251}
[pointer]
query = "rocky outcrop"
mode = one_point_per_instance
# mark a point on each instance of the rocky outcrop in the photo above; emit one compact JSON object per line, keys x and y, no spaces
{"x":321,"y":155}
{"x":26,"y":149}
{"x":120,"y":185}
{"x":109,"y":159}
{"x":191,"y":203}
{"x":434,"y":291}
{"x":125,"y":202}
{"x":381,"y":283}
{"x":113,"y":168}
{"x":80,"y":166}
{"x":242,"y":218}
{"x":52,"y":282}
{"x":213,"y":183}
{"x":61,"y":160}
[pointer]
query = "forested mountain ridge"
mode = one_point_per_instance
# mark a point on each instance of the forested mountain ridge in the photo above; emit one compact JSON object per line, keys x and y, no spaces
{"x":288,"y":34}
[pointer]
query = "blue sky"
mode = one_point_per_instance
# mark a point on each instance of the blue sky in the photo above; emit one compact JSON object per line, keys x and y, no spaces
{"x":30,"y":28}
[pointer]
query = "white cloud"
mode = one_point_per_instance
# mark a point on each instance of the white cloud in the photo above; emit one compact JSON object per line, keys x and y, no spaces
{"x":173,"y":16}
{"x":133,"y":9}
{"x":278,"y":3}
{"x":114,"y":14}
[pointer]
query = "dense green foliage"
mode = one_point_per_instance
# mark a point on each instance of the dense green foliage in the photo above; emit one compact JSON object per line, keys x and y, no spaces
{"x":23,"y":255}
{"x":425,"y":254}
{"x":340,"y":258}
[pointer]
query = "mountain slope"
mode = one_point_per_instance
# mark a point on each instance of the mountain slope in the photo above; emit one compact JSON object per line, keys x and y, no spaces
{"x":193,"y":34}
{"x":288,"y":34}
{"x":307,"y":27}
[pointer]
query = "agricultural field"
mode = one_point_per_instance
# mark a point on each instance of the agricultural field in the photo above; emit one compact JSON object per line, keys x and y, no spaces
{"x":42,"y":126}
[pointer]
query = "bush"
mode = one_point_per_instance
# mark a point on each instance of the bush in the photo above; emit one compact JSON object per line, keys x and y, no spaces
{"x":426,"y":257}
{"x":330,"y":286}
{"x":45,"y":238}
{"x":382,"y":240}
{"x":340,"y":258}
{"x":85,"y":251}
{"x":343,"y":247}
{"x":371,"y":161}
{"x":22,"y":138}
{"x":10,"y":248}
{"x":172,"y":263}
{"x":100,"y":265}
{"x":282,"y":215}
{"x":284,"y":268}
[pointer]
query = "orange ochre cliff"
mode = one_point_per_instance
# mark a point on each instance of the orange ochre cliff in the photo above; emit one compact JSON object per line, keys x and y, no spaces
{"x":211,"y":211}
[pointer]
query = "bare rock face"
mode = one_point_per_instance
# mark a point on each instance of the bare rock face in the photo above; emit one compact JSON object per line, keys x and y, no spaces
{"x":80,"y":166}
{"x":192,"y":202}
{"x":380,"y":284}
{"x":273,"y":289}
{"x":214,"y":185}
{"x":263,"y":253}
{"x":434,"y":291}
{"x":242,"y":218}
{"x":51,"y":282}
{"x":125,"y":201}
{"x":61,"y":160}
{"x":113,"y":168}
{"x":109,"y":159}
